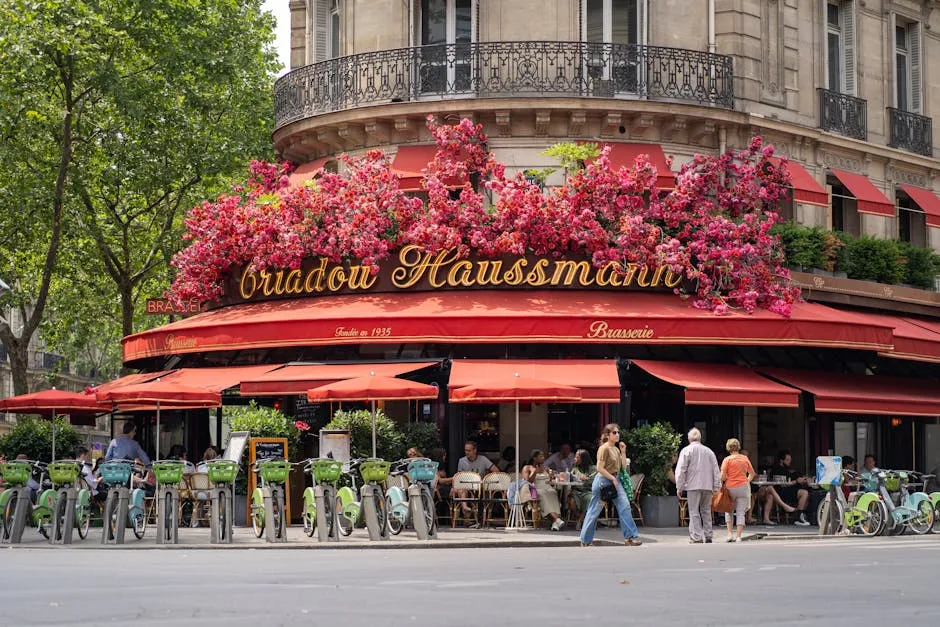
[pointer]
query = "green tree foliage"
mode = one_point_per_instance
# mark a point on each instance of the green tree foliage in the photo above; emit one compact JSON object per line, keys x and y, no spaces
{"x":33,"y":437}
{"x":116,"y":115}
{"x":650,"y":450}
{"x":264,"y":422}
{"x":389,"y":440}
{"x":422,"y":435}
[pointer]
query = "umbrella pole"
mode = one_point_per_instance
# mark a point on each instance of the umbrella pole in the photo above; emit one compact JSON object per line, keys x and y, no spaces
{"x":53,"y":435}
{"x":156,"y":445}
{"x":373,"y":428}
{"x":516,"y":517}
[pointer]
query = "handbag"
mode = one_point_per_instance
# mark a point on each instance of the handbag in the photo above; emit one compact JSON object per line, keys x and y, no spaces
{"x":722,"y":502}
{"x":626,"y":482}
{"x":608,"y":493}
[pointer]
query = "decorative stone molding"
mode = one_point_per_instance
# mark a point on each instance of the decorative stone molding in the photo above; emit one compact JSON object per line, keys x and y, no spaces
{"x":611,"y":123}
{"x":542,"y":121}
{"x":641,"y":124}
{"x":899,"y":175}
{"x":674,"y":128}
{"x":406,"y":127}
{"x":576,"y":123}
{"x":701,"y":132}
{"x":352,"y":135}
{"x":503,"y":123}
{"x":841,"y":162}
{"x":772,"y":53}
{"x":378,"y":131}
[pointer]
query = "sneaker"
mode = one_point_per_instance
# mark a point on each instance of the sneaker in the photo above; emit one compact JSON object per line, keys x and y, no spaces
{"x":730,"y":539}
{"x":708,"y":540}
{"x":693,"y":541}
{"x":769,"y":523}
{"x":801,"y":521}
{"x":558,"y":525}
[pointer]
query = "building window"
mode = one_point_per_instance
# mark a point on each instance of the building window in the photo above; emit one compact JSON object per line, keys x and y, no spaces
{"x":912,"y":222}
{"x":907,"y":71}
{"x":327,"y":29}
{"x":446,"y":29}
{"x":611,"y":21}
{"x":845,"y":216}
{"x":840,"y":46}
{"x":857,"y":439}
{"x":333,"y":31}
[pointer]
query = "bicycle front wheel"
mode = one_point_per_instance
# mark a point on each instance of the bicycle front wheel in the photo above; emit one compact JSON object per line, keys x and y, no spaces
{"x":257,"y":513}
{"x":139,"y":523}
{"x":345,"y":525}
{"x":277,"y":503}
{"x":923,"y":520}
{"x":381,"y":511}
{"x":430,"y":515}
{"x":83,"y":513}
{"x":223,"y":523}
{"x":8,"y":512}
{"x":395,"y":522}
{"x":310,"y":513}
{"x":59,"y":521}
{"x":167,"y":517}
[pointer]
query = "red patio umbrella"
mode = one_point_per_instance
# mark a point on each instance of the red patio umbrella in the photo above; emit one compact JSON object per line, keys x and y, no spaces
{"x":154,"y":393}
{"x":516,"y":389}
{"x":52,"y":403}
{"x":373,"y":388}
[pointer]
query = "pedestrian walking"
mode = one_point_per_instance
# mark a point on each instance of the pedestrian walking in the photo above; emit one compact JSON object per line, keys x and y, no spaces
{"x":611,"y":458}
{"x":737,"y":475}
{"x":698,"y":476}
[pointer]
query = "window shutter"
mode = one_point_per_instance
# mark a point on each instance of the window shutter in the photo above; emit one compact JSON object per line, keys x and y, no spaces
{"x":642,"y":20}
{"x":321,"y":21}
{"x":475,"y":19}
{"x":893,"y":56}
{"x":848,"y":47}
{"x":824,"y":26}
{"x":916,"y":82}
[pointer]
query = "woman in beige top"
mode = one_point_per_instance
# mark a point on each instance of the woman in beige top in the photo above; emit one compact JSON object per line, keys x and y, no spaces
{"x":611,"y":457}
{"x":537,"y":474}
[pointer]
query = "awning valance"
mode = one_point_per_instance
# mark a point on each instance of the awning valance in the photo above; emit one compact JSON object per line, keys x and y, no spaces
{"x":217,"y":379}
{"x":623,"y":155}
{"x":721,"y":384}
{"x":293,"y":379}
{"x":597,"y":379}
{"x":913,"y":339}
{"x":483,"y":316}
{"x":806,"y":189}
{"x":131,"y":379}
{"x":307,"y":171}
{"x":409,"y":163}
{"x":926,"y":200}
{"x":870,"y":199}
{"x":863,"y":394}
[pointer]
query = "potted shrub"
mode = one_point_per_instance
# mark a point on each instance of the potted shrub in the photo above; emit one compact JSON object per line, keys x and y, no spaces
{"x":650,"y":449}
{"x":389,"y":441}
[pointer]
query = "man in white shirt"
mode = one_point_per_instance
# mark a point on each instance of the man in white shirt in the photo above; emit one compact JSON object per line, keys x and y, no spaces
{"x":472,"y":461}
{"x":561,"y":460}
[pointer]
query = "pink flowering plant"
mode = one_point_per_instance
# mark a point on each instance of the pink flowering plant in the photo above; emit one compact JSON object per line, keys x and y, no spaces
{"x":713,"y":228}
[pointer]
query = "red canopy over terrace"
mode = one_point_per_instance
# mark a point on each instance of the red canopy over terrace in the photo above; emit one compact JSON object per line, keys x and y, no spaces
{"x":482,"y":316}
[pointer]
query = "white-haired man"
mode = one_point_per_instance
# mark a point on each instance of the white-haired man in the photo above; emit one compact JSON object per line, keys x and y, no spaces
{"x":697,"y":474}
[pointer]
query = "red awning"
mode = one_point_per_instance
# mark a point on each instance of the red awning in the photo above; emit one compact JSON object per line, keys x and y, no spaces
{"x":484,"y":316}
{"x":913,"y":339}
{"x":597,"y":379}
{"x":806,"y":189}
{"x":131,"y":379}
{"x":307,"y":171}
{"x":870,"y":199}
{"x":863,"y":394}
{"x":926,"y":200}
{"x":217,"y":379}
{"x":721,"y":384}
{"x":298,"y":378}
{"x":409,"y":164}
{"x":624,"y":155}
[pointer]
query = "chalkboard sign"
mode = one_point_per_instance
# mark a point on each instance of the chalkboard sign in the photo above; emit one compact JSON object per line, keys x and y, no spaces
{"x":268,"y":448}
{"x":260,"y":449}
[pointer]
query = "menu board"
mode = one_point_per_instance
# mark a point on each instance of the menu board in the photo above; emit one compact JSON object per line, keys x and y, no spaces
{"x":260,"y":449}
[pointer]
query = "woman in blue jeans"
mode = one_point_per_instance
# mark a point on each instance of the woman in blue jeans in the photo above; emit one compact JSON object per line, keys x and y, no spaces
{"x":611,"y":457}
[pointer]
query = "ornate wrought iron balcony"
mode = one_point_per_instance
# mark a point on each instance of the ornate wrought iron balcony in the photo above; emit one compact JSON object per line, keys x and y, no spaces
{"x":843,"y":114}
{"x":909,"y":131}
{"x":504,"y":69}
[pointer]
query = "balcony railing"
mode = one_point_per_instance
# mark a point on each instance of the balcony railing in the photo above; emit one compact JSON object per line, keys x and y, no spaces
{"x":504,"y":69}
{"x":909,"y":131}
{"x":843,"y":114}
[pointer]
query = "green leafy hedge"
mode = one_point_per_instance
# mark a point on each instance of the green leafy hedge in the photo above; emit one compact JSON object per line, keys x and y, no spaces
{"x":864,"y":258}
{"x":33,"y":437}
{"x":650,"y":448}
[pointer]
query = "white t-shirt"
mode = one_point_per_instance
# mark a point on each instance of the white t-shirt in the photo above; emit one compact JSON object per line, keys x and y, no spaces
{"x":481,"y":465}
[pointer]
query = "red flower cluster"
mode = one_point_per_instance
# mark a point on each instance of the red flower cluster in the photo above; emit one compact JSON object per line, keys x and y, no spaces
{"x":713,"y":228}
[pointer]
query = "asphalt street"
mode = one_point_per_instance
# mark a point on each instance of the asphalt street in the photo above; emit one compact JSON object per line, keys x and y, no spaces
{"x":799,"y":582}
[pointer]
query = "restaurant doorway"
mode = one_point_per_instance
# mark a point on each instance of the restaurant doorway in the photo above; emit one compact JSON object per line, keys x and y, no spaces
{"x":578,"y":424}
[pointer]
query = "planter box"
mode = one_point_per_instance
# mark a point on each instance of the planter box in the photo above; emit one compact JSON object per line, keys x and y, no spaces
{"x":660,"y":511}
{"x":821,"y":272}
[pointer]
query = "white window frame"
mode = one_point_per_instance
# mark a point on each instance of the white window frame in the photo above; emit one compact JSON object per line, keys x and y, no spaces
{"x":847,"y":46}
{"x":914,"y":67}
{"x":320,"y":25}
{"x":334,"y":38}
{"x":608,"y":21}
{"x":450,"y":26}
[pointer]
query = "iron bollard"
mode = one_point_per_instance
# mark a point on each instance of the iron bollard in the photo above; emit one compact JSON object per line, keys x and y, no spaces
{"x":168,"y":493}
{"x":63,"y":535}
{"x":368,"y":494}
{"x":327,"y":530}
{"x":221,"y":502}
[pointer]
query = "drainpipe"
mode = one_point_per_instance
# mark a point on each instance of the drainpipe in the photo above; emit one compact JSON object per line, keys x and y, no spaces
{"x":711,"y":26}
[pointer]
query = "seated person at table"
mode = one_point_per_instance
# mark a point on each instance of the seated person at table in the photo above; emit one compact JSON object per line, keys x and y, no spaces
{"x":414,"y":453}
{"x":472,"y":461}
{"x":177,"y":452}
{"x":795,"y":488}
{"x":94,"y":483}
{"x":537,"y":474}
{"x":562,"y":460}
{"x":583,"y":471}
{"x":768,"y":497}
{"x":144,"y":478}
{"x":507,"y":459}
{"x":869,"y":474}
{"x":933,"y":483}
{"x":208,"y":456}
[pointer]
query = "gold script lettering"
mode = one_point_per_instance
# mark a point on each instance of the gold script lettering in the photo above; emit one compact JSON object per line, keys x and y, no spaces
{"x":600,"y":330}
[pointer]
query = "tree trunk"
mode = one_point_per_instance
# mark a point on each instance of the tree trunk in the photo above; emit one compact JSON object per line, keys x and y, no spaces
{"x":19,"y":364}
{"x":127,"y":308}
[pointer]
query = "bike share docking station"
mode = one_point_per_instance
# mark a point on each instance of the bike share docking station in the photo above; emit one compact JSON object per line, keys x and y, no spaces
{"x":222,"y":474}
{"x":169,"y":474}
{"x":414,"y":499}
{"x":64,"y":476}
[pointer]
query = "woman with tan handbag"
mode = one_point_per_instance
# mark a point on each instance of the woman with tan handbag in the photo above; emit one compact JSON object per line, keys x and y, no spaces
{"x":736,"y":475}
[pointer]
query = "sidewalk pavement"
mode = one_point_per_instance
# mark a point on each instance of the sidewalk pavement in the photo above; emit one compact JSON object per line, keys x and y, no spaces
{"x":244,"y":538}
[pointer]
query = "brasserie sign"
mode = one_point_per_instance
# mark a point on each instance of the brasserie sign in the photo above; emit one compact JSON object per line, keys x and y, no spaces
{"x":417,"y":270}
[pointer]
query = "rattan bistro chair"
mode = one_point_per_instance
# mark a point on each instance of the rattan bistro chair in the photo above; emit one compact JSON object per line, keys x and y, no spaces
{"x":637,"y":481}
{"x":495,"y":493}
{"x":469,"y":482}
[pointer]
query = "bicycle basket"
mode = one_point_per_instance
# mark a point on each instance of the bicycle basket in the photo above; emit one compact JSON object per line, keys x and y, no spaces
{"x":169,"y":471}
{"x":63,"y":473}
{"x":116,"y":472}
{"x":327,"y":470}
{"x":374,"y":470}
{"x":274,"y":471}
{"x":893,"y":483}
{"x":222,"y":470}
{"x":16,"y":472}
{"x":422,"y":470}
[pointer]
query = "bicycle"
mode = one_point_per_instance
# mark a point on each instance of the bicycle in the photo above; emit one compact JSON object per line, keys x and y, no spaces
{"x":16,"y":503}
{"x":65,"y":477}
{"x":913,"y":511}
{"x":373,"y":472}
{"x":272,"y":475}
{"x":117,"y":475}
{"x":403,"y":507}
{"x":222,"y":473}
{"x":169,"y":474}
{"x":862,"y":513}
{"x":325,"y":474}
{"x":935,"y":500}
